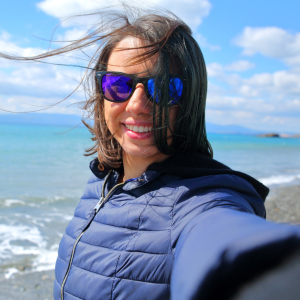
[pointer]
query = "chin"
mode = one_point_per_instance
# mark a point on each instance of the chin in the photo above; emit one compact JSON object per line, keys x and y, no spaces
{"x":145,"y":151}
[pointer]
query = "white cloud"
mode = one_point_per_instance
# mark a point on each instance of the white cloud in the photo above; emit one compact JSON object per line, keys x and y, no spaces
{"x":202,"y":41}
{"x":31,"y":86}
{"x":261,"y":113}
{"x":7,"y":46}
{"x":219,"y":70}
{"x":5,"y":36}
{"x":265,"y":101}
{"x":278,"y":85}
{"x":72,"y":34}
{"x":214,"y":69}
{"x":191,"y":11}
{"x":63,"y":8}
{"x":240,"y":66}
{"x":281,"y":86}
{"x":262,"y":121}
{"x":271,"y":42}
{"x":17,"y":103}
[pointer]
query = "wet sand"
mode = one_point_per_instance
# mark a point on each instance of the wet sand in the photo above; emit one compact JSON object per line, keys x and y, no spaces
{"x":282,"y":205}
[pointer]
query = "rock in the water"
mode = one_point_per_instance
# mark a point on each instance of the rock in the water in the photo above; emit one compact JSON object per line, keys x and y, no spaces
{"x":269,"y":135}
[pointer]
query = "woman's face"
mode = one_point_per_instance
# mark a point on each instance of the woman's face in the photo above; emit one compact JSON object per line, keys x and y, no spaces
{"x":131,"y":121}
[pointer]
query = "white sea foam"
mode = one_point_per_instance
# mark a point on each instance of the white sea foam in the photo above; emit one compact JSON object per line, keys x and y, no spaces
{"x":46,"y":259}
{"x":11,"y":239}
{"x":10,"y":272}
{"x":12,"y":233}
{"x":279,"y":179}
{"x":57,"y":198}
{"x":10,"y":202}
{"x":52,"y":199}
{"x":68,"y":217}
{"x":61,"y":216}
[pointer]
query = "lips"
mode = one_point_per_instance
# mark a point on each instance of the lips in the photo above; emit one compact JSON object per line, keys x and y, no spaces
{"x":140,"y":132}
{"x":138,"y":129}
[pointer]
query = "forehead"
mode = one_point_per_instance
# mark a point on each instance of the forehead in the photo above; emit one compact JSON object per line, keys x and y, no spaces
{"x":121,"y":57}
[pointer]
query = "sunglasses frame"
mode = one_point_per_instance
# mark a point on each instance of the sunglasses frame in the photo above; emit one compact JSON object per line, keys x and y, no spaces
{"x":136,"y":80}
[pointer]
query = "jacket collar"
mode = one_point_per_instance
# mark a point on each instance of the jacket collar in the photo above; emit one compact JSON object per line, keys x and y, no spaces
{"x":189,"y":165}
{"x":131,"y":183}
{"x":94,"y":168}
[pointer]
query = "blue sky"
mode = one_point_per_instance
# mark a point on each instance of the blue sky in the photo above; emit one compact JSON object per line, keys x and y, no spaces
{"x":252,"y":51}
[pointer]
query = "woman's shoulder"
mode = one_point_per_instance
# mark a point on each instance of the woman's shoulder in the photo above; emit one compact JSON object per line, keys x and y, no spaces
{"x":208,"y":182}
{"x":200,"y":194}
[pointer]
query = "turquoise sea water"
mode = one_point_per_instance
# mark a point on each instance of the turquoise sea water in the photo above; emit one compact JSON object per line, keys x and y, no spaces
{"x":274,"y":161}
{"x":43,"y":173}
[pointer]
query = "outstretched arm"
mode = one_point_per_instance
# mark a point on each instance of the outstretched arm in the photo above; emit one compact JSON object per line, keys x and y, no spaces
{"x":222,"y":249}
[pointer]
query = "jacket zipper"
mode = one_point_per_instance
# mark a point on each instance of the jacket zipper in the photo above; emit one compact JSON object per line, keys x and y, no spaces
{"x":96,"y":209}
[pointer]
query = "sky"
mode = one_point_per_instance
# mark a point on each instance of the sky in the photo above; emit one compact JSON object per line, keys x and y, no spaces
{"x":251,"y":49}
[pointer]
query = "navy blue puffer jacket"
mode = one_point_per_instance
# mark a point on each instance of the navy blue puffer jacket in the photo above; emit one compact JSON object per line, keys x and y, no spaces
{"x":173,"y":232}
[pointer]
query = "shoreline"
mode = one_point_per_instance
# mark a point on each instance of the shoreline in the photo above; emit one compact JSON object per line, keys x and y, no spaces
{"x":282,"y":205}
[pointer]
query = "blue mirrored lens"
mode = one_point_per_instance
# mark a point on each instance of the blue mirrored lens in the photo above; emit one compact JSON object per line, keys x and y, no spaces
{"x":116,"y":87}
{"x":175,"y":90}
{"x":151,"y":89}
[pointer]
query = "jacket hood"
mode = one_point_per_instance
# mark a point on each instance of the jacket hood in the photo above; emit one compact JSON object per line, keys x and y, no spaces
{"x":195,"y":164}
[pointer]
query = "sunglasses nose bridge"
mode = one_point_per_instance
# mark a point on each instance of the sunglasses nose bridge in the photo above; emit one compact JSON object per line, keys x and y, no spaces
{"x":139,"y":103}
{"x":143,"y":81}
{"x":140,"y":84}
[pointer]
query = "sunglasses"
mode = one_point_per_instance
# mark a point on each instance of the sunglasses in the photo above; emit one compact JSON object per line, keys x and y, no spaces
{"x":119,"y":87}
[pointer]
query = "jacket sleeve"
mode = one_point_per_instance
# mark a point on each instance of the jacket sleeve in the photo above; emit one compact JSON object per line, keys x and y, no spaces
{"x":221,"y":249}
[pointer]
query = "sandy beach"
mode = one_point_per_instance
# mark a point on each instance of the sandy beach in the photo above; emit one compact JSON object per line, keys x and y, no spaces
{"x":283,"y":205}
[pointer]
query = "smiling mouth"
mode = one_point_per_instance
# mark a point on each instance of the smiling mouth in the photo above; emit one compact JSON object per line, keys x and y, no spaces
{"x":138,"y":129}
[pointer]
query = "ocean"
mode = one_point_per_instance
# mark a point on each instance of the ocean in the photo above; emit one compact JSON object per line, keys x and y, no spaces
{"x":43,"y":173}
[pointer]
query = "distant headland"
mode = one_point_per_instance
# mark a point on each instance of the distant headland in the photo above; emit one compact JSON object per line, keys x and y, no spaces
{"x":279,"y":135}
{"x":51,"y":119}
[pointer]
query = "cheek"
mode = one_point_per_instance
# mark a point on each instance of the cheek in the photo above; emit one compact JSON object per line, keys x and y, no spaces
{"x":112,"y":114}
{"x":108,"y":115}
{"x":106,"y":112}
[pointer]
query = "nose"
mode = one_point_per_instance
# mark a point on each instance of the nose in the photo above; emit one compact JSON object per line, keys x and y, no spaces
{"x":139,"y":103}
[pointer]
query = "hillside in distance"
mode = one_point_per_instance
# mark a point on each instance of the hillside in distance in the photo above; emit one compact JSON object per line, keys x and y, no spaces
{"x":231,"y":129}
{"x":74,"y":120}
{"x":40,"y":119}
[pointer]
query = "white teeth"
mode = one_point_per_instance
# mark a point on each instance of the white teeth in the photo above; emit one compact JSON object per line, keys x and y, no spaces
{"x":139,"y":129}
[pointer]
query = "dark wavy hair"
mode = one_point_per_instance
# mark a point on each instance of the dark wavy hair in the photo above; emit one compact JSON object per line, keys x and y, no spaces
{"x":163,"y":35}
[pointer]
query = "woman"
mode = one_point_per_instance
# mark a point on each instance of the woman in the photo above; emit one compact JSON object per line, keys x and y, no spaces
{"x":167,"y":211}
{"x":159,"y":217}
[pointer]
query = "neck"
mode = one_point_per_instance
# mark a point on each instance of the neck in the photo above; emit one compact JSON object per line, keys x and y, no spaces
{"x":135,"y":166}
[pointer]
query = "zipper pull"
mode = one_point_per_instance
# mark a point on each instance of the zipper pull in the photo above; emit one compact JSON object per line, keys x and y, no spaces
{"x":99,"y":204}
